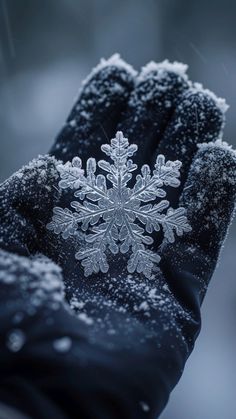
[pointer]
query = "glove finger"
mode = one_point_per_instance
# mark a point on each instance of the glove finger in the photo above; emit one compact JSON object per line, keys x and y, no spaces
{"x":209,"y":197}
{"x":94,"y":117}
{"x":198,"y":118}
{"x":26,"y":201}
{"x":151,"y":105}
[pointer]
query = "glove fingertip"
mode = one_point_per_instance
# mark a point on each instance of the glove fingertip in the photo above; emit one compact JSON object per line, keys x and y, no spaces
{"x":210,"y":193}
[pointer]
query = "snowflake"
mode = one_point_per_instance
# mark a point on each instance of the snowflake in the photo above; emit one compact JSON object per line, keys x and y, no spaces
{"x":118,"y":217}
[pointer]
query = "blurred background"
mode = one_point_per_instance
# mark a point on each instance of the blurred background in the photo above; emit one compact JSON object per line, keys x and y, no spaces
{"x":46,"y":49}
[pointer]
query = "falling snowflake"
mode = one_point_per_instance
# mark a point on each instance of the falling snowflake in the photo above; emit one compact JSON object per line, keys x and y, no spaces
{"x":118,"y":217}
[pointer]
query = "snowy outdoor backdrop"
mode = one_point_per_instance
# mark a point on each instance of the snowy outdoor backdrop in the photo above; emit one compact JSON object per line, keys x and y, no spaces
{"x":48,"y":47}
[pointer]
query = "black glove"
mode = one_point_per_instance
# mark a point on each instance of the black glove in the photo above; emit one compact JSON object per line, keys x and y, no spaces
{"x":112,"y":345}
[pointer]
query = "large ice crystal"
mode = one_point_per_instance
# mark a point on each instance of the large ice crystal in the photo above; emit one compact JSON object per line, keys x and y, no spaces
{"x":115,"y":217}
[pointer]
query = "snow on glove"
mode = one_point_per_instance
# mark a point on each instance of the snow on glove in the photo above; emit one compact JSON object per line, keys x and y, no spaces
{"x":130,"y":336}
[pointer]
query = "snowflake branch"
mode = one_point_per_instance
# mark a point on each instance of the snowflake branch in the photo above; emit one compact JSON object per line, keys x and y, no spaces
{"x":85,"y":212}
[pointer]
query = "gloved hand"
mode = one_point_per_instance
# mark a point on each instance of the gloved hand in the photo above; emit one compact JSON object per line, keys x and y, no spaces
{"x":112,"y":345}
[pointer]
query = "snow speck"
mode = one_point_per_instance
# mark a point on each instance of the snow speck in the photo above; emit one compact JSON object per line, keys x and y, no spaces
{"x":16,"y":340}
{"x":75,"y":304}
{"x":72,"y":123}
{"x":144,"y":406}
{"x":143,"y":306}
{"x":85,"y":318}
{"x":62,"y":344}
{"x":17,"y":318}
